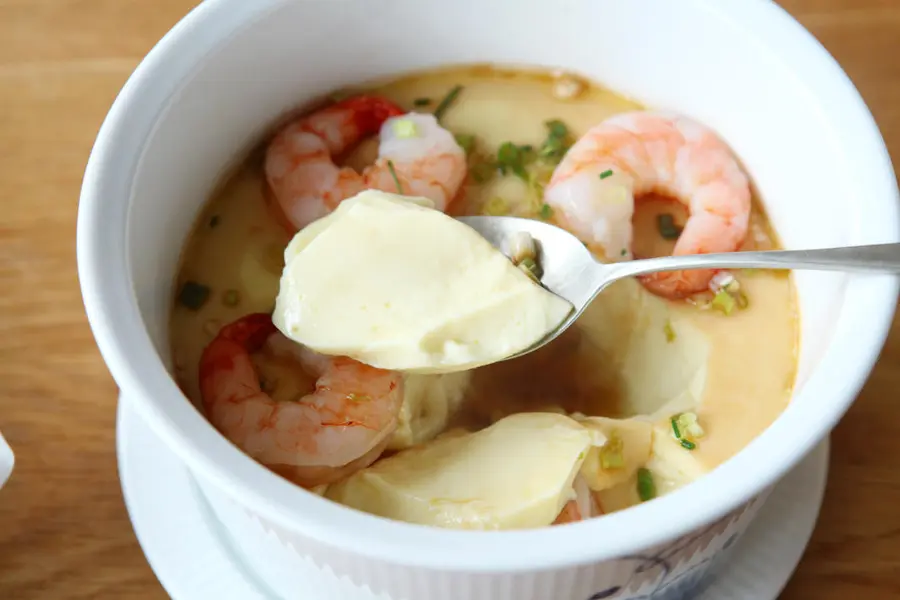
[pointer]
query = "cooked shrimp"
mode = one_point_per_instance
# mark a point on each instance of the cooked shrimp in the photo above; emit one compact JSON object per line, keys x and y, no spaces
{"x":569,"y":514}
{"x":317,"y":438}
{"x":579,"y":508}
{"x":425,"y":158}
{"x":632,"y":154}
{"x":307,"y":184}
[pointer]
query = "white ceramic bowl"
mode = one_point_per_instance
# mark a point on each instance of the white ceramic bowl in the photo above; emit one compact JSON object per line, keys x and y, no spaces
{"x":205,"y":93}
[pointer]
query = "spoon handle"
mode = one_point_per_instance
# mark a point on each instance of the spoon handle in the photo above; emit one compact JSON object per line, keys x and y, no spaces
{"x":880,"y":258}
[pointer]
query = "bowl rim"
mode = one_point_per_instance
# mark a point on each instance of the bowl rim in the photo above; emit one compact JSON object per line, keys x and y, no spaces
{"x":128,"y":351}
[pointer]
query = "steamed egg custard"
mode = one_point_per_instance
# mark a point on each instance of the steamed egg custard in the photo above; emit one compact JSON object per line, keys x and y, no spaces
{"x":398,"y":285}
{"x":333,"y":321}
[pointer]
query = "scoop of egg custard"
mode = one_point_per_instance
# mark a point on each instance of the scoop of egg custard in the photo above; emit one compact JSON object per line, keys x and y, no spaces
{"x":391,"y":282}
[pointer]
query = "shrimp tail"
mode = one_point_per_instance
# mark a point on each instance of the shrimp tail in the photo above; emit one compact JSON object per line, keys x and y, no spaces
{"x":369,"y":112}
{"x":251,"y":331}
{"x":235,"y":342}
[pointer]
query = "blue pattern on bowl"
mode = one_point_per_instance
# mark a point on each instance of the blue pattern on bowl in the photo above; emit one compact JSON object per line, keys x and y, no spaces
{"x":670,"y":573}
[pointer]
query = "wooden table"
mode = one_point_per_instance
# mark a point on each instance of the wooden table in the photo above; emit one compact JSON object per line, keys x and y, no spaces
{"x":64,"y":532}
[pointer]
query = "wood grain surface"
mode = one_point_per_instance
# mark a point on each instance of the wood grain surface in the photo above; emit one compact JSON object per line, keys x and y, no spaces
{"x":64,"y":532}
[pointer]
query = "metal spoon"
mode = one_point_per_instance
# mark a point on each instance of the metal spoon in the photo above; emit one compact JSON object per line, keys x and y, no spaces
{"x":570,"y":270}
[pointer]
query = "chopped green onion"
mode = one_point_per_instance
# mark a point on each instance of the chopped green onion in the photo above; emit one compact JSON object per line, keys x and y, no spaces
{"x":557,"y":142}
{"x":231,"y":298}
{"x":496,"y":207}
{"x":669,"y":331}
{"x":421,"y":101}
{"x":405,"y":129}
{"x":690,"y":425}
{"x":546,"y":212}
{"x":723,"y":301}
{"x":612,"y":461}
{"x":606,"y":173}
{"x":646,"y":487}
{"x":611,"y":454}
{"x":529,"y":265}
{"x":557,"y":128}
{"x":193,"y":295}
{"x":675,"y":431}
{"x":447,"y":101}
{"x":466,"y":141}
{"x":482,"y":172}
{"x":667,"y":228}
{"x":214,"y":221}
{"x":685,"y":426}
{"x":390,"y":164}
{"x":508,"y":154}
{"x":623,"y":252}
{"x":511,"y":157}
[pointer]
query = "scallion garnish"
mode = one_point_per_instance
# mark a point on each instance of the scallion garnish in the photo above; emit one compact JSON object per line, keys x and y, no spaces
{"x":529,"y":265}
{"x":447,"y":101}
{"x":690,"y":425}
{"x":612,"y":453}
{"x":557,"y":143}
{"x":422,"y":102}
{"x":546,"y":212}
{"x":675,"y":430}
{"x":606,"y":173}
{"x":646,"y":487}
{"x":512,"y":158}
{"x":557,"y":128}
{"x":723,"y":301}
{"x":667,"y":227}
{"x":405,"y":128}
{"x":390,"y":164}
{"x":686,"y":429}
{"x":193,"y":295}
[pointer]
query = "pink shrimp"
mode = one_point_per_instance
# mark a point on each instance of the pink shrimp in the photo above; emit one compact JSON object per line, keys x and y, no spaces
{"x":414,"y":152}
{"x":583,"y":506}
{"x":341,"y":427}
{"x":637,"y":153}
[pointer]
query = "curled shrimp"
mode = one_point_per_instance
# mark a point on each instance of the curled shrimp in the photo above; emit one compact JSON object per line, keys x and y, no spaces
{"x":341,"y":427}
{"x":637,"y":153}
{"x":416,"y":157}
